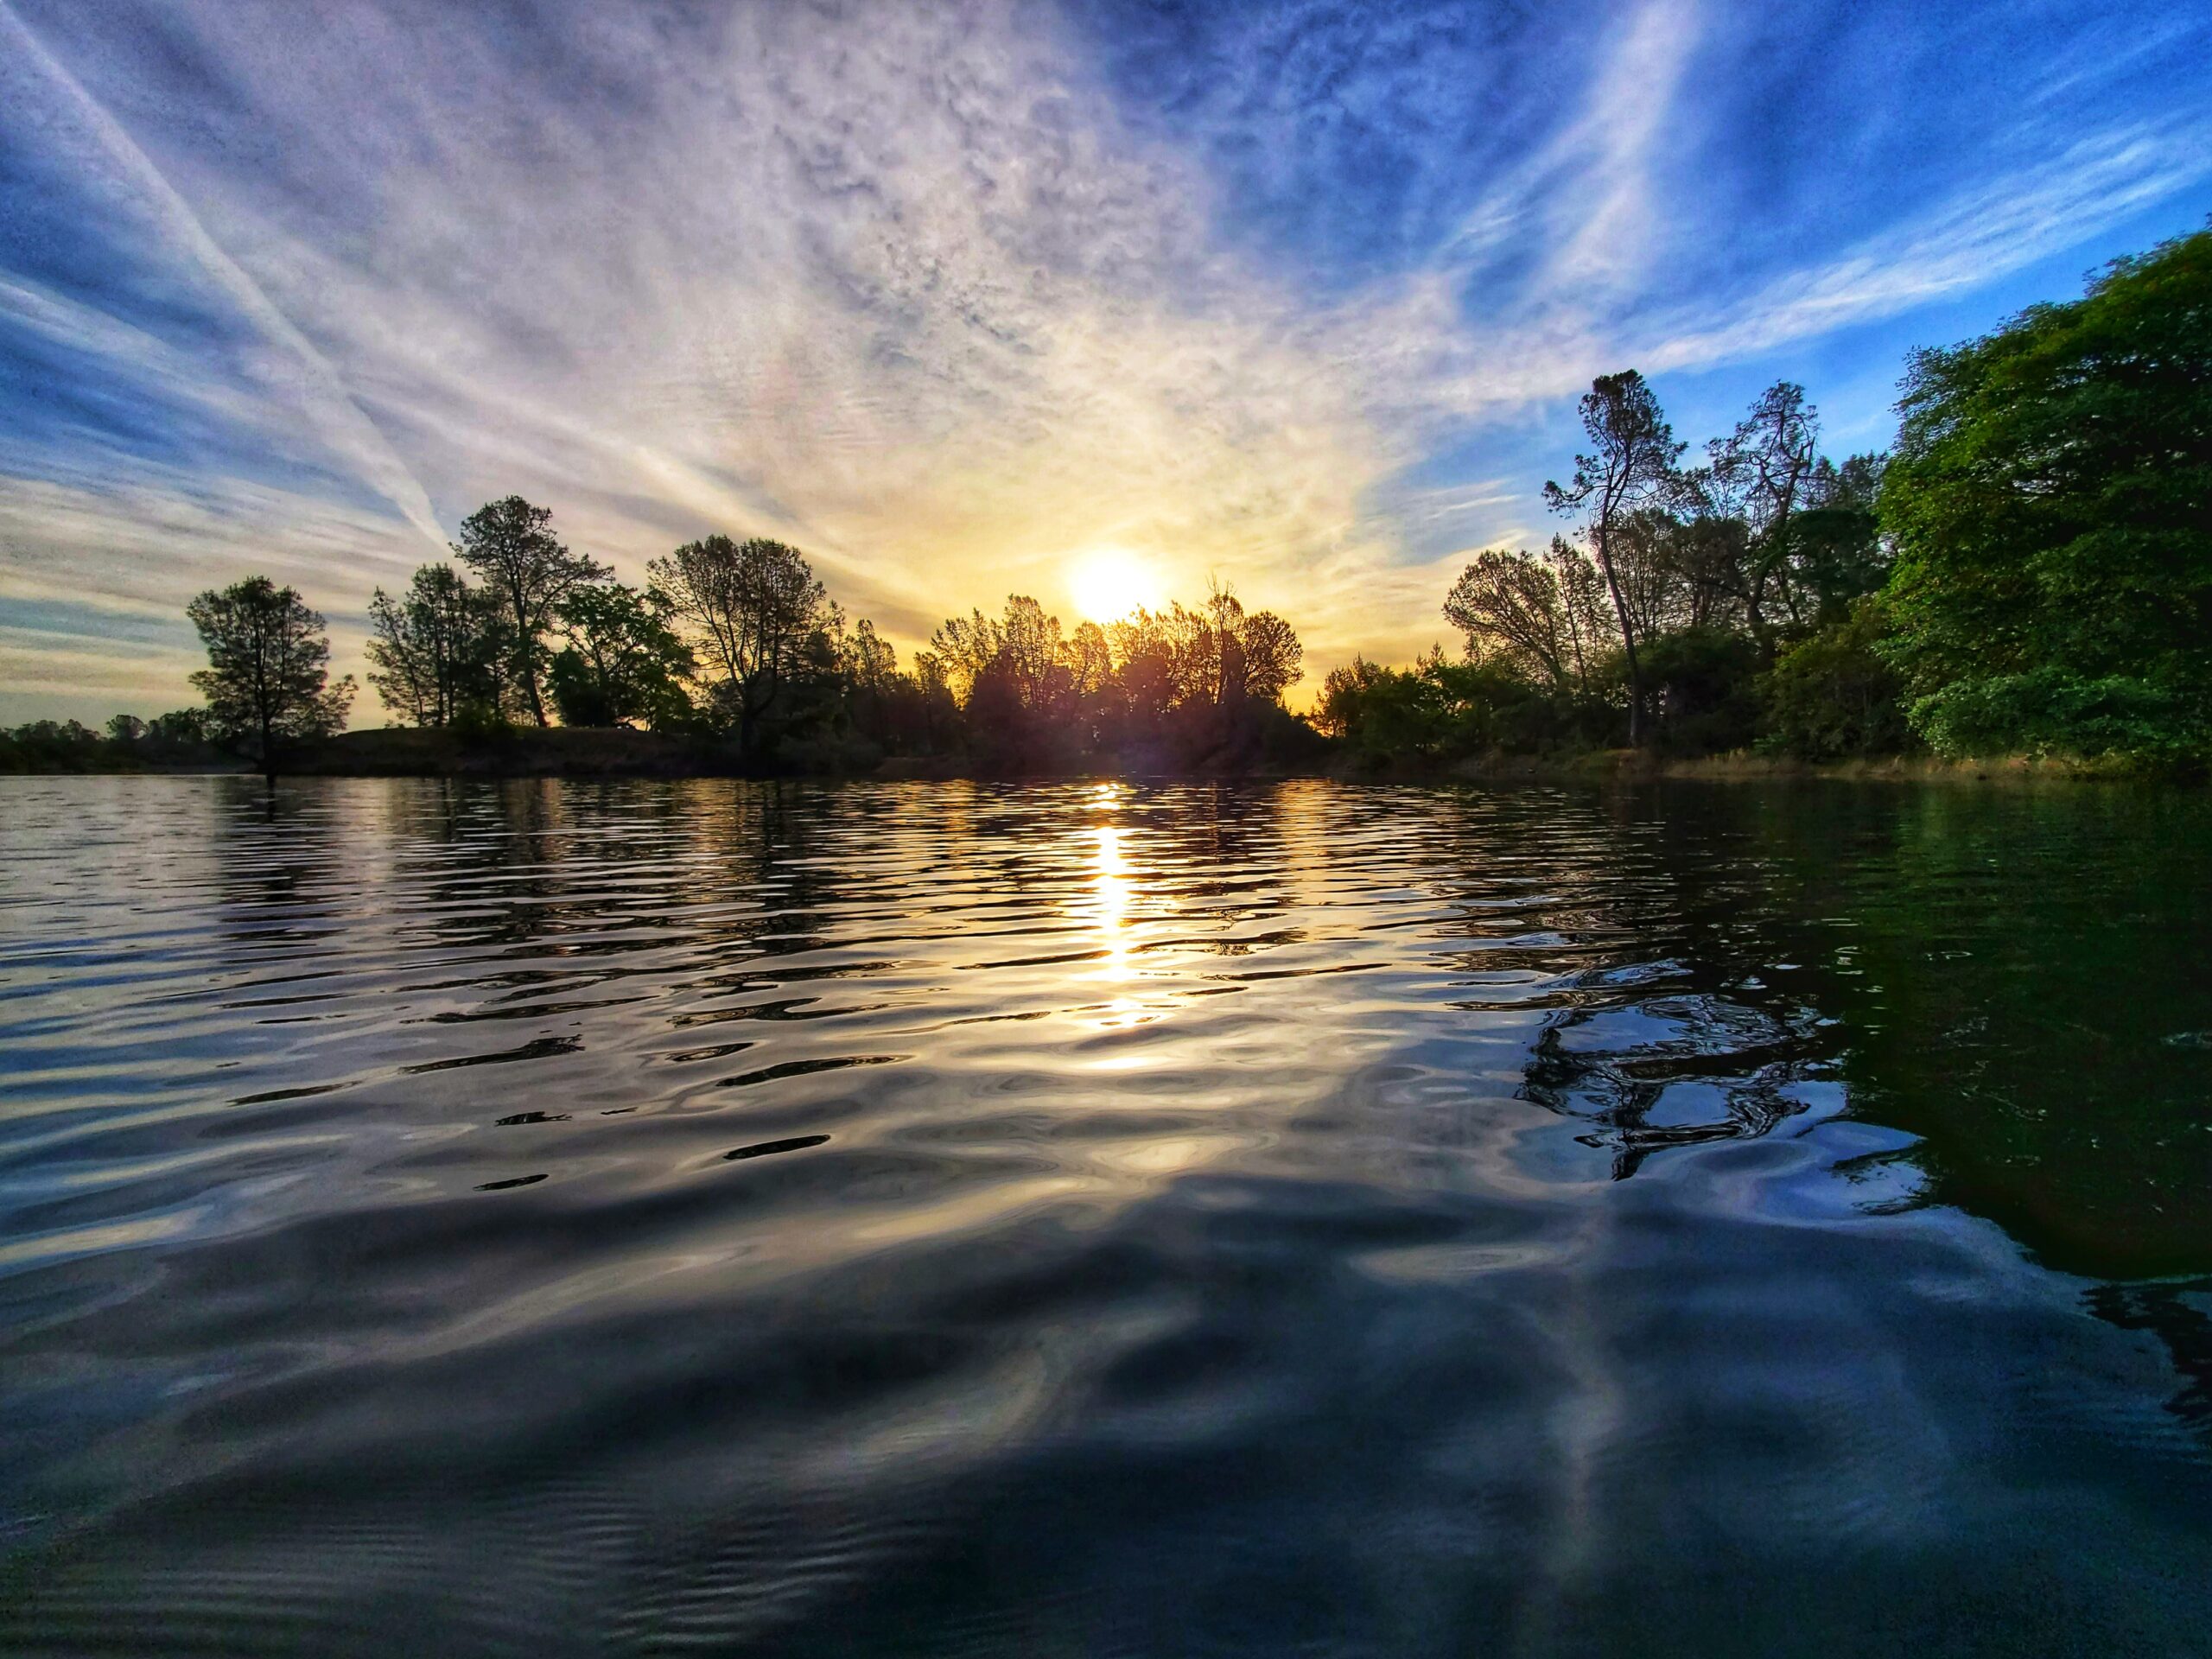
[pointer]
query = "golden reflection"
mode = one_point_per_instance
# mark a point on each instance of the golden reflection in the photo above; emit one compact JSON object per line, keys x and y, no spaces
{"x":1112,"y":891}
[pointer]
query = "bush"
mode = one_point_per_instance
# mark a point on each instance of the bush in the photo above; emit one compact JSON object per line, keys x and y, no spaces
{"x":1835,"y":695}
{"x":2052,"y":711}
{"x":1703,"y":683}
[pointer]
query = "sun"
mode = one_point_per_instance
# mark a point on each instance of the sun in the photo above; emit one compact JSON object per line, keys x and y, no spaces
{"x":1109,"y":583}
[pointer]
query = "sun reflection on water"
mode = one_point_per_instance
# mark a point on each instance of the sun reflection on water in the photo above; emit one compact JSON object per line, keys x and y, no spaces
{"x":1112,"y":891}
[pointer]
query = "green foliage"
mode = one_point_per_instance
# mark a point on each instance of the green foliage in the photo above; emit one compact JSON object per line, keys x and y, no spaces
{"x":622,"y":664}
{"x":2053,"y":586}
{"x":1442,"y":710}
{"x":1704,"y":681}
{"x":2030,"y":572}
{"x":2053,"y":710}
{"x":1836,"y":554}
{"x":1633,"y":467}
{"x":1835,"y":693}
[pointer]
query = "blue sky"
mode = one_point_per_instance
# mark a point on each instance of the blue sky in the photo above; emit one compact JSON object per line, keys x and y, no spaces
{"x":955,"y":297}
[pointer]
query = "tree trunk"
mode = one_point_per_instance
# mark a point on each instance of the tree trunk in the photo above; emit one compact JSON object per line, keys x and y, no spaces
{"x":1635,"y":691}
{"x":1628,"y":645}
{"x":526,"y":654}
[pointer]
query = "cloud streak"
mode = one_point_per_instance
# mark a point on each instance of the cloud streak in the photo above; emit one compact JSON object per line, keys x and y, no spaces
{"x":338,"y":419}
{"x":933,"y":290}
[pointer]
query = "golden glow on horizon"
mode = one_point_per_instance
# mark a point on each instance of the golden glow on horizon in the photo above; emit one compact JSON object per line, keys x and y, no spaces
{"x":1109,"y":583}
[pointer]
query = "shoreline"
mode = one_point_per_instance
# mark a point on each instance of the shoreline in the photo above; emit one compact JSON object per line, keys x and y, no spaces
{"x":610,"y":754}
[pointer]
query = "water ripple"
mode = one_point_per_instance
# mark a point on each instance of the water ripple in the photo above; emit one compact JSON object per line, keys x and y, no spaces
{"x":1194,"y":1219}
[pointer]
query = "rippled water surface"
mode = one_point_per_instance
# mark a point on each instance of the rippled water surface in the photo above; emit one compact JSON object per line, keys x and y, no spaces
{"x":1083,"y":1219}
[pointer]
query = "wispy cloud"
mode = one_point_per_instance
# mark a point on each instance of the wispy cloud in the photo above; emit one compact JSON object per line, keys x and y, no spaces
{"x":919,"y":287}
{"x":108,"y":150}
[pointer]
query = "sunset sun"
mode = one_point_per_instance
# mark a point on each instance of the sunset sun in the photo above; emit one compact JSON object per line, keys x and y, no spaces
{"x":1109,"y":583}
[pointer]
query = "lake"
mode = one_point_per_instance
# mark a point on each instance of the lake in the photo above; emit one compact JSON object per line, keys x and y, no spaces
{"x":1103,"y":1218}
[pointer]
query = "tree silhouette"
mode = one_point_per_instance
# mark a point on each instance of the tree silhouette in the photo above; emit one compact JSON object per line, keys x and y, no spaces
{"x":1632,"y":466}
{"x":267,"y":680}
{"x":434,"y":652}
{"x":510,"y":545}
{"x":749,"y":606}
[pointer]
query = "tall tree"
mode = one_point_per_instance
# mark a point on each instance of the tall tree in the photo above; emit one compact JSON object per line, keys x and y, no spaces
{"x":1582,"y":605}
{"x":1632,"y":466}
{"x":512,"y":547}
{"x":1838,"y":553}
{"x":267,"y":681}
{"x":2053,"y":583}
{"x":1763,"y":473}
{"x":1270,"y":657}
{"x":750,"y":606}
{"x":435,"y":650}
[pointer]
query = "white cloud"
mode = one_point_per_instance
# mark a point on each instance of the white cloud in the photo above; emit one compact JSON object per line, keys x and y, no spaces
{"x":897,"y":283}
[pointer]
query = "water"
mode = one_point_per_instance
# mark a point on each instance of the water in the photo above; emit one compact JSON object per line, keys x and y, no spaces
{"x":561,"y":1218}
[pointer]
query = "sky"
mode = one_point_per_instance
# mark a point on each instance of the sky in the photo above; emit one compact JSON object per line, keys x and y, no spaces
{"x":1296,"y":295}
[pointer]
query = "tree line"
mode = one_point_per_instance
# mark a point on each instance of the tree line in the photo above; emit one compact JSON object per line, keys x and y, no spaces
{"x":738,"y":643}
{"x":735,"y":647}
{"x":1672,"y":613}
{"x":2029,"y":569}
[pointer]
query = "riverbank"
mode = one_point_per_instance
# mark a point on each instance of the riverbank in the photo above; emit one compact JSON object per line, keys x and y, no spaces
{"x":1633,"y":766}
{"x":589,"y":751}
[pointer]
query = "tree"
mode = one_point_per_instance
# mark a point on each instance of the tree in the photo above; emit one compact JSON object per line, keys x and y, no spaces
{"x":2047,"y":499}
{"x":267,"y":681}
{"x":435,"y":651}
{"x":1246,"y":658}
{"x":178,"y":734}
{"x":621,"y":662}
{"x":1632,"y":466}
{"x":1272,"y":659}
{"x":749,"y":606}
{"x":1582,"y":605}
{"x":1435,"y":709}
{"x":1761,"y":474}
{"x":871,"y":669}
{"x":1837,"y":552}
{"x":510,"y":546}
{"x":940,"y":709}
{"x":1016,"y":677}
{"x":1508,"y":606}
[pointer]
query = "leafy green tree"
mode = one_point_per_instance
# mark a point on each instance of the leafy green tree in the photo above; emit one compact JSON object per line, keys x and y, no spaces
{"x":510,"y":546}
{"x":1632,"y":468}
{"x":1704,"y":685}
{"x":1838,"y":554}
{"x":622,"y":663}
{"x":436,"y":652}
{"x":1438,"y":709}
{"x":2053,"y":583}
{"x":267,"y":681}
